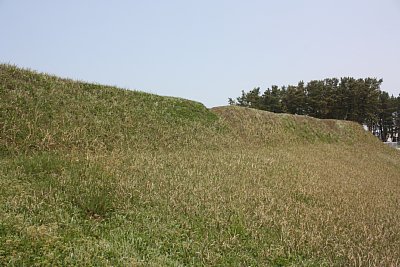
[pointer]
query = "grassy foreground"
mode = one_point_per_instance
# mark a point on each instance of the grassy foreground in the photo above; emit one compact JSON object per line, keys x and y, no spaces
{"x":92,"y":175}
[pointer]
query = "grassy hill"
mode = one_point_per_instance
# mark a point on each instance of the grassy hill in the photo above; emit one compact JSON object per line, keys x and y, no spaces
{"x":96,"y":175}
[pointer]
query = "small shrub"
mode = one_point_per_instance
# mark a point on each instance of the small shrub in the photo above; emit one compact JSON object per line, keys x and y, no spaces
{"x":92,"y":190}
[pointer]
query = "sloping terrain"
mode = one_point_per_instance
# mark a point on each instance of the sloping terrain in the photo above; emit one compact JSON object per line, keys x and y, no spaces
{"x":96,"y":175}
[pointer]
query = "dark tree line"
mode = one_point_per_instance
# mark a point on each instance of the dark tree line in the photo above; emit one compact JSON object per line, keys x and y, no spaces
{"x":359,"y":100}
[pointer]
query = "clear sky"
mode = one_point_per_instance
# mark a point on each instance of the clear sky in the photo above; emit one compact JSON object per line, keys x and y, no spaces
{"x":204,"y":50}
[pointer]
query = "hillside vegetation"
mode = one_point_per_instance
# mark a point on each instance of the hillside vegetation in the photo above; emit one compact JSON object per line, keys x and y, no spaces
{"x":347,"y":98}
{"x":94,"y":175}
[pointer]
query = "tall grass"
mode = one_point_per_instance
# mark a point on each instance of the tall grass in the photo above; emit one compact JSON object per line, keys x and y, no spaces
{"x":95,"y":175}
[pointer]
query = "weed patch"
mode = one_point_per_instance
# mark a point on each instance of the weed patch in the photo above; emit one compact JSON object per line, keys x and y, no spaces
{"x":86,"y":185}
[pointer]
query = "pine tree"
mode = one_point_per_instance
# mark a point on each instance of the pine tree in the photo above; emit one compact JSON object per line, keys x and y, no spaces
{"x":272,"y":100}
{"x":294,"y":99}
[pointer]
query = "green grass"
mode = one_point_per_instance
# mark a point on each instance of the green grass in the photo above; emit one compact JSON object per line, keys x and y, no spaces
{"x":96,"y":175}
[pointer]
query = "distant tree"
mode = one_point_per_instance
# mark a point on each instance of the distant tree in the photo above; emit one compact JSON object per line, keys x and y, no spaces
{"x":333,"y":98}
{"x":345,"y":99}
{"x":368,"y":96}
{"x":396,"y":116}
{"x":294,"y":99}
{"x":383,"y":116}
{"x":251,"y":99}
{"x":272,"y":100}
{"x":317,"y":99}
{"x":231,"y":101}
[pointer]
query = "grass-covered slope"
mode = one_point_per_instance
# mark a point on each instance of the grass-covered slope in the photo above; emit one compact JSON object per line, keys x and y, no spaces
{"x":96,"y":175}
{"x":42,"y":112}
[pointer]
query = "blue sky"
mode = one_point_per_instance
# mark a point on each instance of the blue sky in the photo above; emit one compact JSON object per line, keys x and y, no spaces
{"x":204,"y":50}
